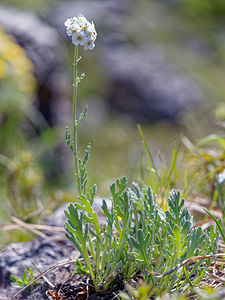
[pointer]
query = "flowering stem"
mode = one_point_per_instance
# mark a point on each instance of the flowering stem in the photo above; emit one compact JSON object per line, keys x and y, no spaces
{"x":75,"y":148}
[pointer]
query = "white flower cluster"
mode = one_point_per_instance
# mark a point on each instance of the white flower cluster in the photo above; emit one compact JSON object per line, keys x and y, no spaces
{"x":83,"y":32}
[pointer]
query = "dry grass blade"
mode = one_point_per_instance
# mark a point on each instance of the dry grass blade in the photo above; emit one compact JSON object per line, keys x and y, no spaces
{"x":187,"y":261}
{"x":40,"y":226}
{"x":29,"y":227}
{"x":43,"y":274}
{"x":36,"y":229}
{"x":216,"y":277}
{"x":36,"y":226}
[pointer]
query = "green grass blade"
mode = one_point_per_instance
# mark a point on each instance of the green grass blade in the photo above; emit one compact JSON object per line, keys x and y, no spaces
{"x":173,"y":165}
{"x":150,"y":160}
{"x":212,"y":138}
{"x":185,"y":182}
{"x":217,"y":223}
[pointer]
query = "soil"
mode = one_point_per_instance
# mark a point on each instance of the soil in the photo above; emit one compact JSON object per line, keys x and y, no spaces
{"x":82,"y":288}
{"x":70,"y":287}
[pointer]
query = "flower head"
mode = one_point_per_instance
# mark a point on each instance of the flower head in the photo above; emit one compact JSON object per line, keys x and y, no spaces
{"x":82,"y":31}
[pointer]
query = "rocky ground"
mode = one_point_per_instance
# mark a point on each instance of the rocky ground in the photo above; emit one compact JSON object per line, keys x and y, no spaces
{"x":52,"y":253}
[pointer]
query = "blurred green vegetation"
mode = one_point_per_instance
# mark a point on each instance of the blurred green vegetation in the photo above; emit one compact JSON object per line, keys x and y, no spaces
{"x":213,"y":9}
{"x":36,"y":6}
{"x":206,"y":160}
{"x":27,"y":191}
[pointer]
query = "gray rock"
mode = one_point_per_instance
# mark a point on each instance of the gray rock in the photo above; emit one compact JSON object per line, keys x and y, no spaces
{"x":16,"y":257}
{"x":42,"y":46}
{"x":146,"y":85}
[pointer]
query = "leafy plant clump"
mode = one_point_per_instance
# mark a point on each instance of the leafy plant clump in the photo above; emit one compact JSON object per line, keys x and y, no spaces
{"x":138,"y":236}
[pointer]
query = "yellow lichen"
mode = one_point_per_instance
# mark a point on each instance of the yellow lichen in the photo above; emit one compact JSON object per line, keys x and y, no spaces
{"x":16,"y":73}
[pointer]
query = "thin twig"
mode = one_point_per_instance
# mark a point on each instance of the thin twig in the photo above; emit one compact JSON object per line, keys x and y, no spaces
{"x":43,"y":274}
{"x":44,"y":277}
{"x":191,"y":259}
{"x":87,"y":288}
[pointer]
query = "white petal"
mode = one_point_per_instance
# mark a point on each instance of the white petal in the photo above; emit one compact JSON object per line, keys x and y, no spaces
{"x":68,"y":31}
{"x":68,"y":22}
{"x":74,"y":40}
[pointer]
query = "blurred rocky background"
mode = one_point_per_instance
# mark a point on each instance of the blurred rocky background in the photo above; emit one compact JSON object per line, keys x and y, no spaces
{"x":153,"y":59}
{"x":156,"y":62}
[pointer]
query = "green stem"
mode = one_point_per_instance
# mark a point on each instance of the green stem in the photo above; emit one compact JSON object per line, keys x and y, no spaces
{"x":5,"y":161}
{"x":75,"y":86}
{"x":88,"y":263}
{"x":119,"y":248}
{"x":106,"y":257}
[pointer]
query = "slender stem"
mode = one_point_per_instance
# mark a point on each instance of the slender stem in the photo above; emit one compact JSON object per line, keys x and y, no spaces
{"x":5,"y":161}
{"x":75,"y":85}
{"x":120,"y":247}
